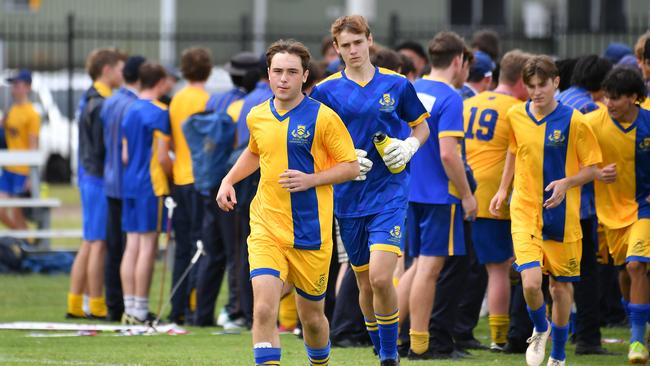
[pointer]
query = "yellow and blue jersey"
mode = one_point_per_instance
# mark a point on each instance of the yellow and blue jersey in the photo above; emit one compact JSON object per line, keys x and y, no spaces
{"x":579,"y":98}
{"x":387,"y":103}
{"x":548,"y":148}
{"x":22,"y":121}
{"x":430,"y":183}
{"x":238,"y":110}
{"x":310,"y":138}
{"x":186,"y":102}
{"x":487,"y":135}
{"x":143,"y":125}
{"x":623,"y":202}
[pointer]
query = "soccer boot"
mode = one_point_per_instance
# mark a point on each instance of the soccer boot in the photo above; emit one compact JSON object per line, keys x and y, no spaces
{"x":637,"y":354}
{"x":554,"y":362}
{"x":498,"y":347}
{"x":536,"y":350}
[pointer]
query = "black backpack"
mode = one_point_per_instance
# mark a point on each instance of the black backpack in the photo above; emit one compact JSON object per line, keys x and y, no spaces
{"x":11,"y":255}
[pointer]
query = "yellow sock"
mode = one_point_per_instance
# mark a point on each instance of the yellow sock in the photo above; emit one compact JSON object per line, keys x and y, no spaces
{"x":193,"y":300}
{"x":499,"y":328}
{"x":288,"y":314}
{"x":98,"y":306}
{"x":75,"y":304}
{"x":419,"y":341}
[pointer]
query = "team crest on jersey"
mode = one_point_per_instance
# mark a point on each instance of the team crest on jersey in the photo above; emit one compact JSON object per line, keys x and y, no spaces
{"x":645,"y":144}
{"x":557,"y":138}
{"x":387,"y":103}
{"x":300,"y":135}
{"x":396,"y":234}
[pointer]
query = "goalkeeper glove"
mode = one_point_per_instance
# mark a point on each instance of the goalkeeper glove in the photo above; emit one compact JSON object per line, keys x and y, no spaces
{"x":365,"y":164}
{"x":399,"y":152}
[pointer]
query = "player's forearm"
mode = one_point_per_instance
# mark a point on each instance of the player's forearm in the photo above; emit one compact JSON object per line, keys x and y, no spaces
{"x":421,"y":132}
{"x":508,"y":172}
{"x":246,"y":165}
{"x":125,"y":151}
{"x":163,"y":157}
{"x":453,"y":165}
{"x":339,"y":173}
{"x":584,"y":176}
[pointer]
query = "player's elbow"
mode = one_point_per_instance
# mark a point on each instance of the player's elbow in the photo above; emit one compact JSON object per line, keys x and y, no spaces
{"x":448,"y":158}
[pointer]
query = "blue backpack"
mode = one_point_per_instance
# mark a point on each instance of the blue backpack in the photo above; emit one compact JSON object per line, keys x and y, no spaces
{"x":210,"y":137}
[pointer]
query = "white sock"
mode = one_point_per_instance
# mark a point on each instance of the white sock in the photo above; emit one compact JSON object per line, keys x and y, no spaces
{"x":141,"y":308}
{"x":129,"y":303}
{"x":86,"y":305}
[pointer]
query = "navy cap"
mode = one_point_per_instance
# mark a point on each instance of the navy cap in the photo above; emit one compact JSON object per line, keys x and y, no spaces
{"x":23,"y":75}
{"x":483,"y":65}
{"x":130,"y":72}
{"x":616,"y":51}
{"x":243,"y":62}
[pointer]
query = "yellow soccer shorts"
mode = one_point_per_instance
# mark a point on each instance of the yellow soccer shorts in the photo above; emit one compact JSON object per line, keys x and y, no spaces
{"x":630,"y":243}
{"x":307,"y":270}
{"x":558,"y":259}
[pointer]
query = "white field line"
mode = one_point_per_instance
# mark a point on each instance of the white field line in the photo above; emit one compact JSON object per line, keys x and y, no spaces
{"x":47,"y":361}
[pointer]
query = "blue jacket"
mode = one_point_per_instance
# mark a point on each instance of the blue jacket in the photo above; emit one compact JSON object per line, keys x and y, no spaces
{"x":112,"y":113}
{"x":219,"y":102}
{"x":210,"y":137}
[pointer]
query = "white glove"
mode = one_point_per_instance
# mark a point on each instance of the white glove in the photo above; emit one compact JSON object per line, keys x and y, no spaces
{"x":399,"y":152}
{"x":365,"y":164}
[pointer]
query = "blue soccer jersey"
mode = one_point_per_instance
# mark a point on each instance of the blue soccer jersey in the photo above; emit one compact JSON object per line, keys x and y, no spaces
{"x":430,"y":183}
{"x":144,"y":122}
{"x":386,"y":103}
{"x":577,"y":98}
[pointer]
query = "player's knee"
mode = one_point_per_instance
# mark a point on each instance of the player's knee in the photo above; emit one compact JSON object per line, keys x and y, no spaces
{"x":263,"y":311}
{"x":559,"y":290}
{"x":636,"y":268}
{"x":381,"y":281}
{"x":531,"y":285}
{"x":313,"y":322}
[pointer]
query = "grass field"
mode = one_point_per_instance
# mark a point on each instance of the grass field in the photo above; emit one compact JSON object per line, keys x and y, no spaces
{"x":43,"y":298}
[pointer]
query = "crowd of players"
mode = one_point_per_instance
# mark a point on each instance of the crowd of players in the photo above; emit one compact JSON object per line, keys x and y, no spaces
{"x":492,"y":162}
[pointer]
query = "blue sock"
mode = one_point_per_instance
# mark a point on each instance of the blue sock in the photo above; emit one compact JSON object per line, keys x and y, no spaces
{"x":267,"y":356}
{"x":626,"y":307}
{"x":560,"y":335}
{"x":318,"y":356}
{"x":388,"y":333}
{"x":373,"y":332}
{"x":539,"y":318}
{"x":638,"y":319}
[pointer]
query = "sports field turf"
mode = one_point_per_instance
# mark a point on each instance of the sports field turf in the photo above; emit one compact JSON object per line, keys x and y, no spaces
{"x":43,"y":298}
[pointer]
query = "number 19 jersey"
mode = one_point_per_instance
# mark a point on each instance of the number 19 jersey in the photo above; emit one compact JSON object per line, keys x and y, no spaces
{"x":487,"y":135}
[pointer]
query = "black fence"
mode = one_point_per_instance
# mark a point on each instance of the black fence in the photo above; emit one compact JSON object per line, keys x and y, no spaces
{"x":66,"y":43}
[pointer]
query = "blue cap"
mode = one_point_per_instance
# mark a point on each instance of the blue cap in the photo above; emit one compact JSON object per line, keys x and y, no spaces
{"x":23,"y":75}
{"x":483,"y":65}
{"x":616,"y":51}
{"x":628,"y":61}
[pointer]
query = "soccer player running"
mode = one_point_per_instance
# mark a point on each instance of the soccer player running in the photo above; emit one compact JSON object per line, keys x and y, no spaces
{"x":487,"y":135}
{"x":552,"y":152}
{"x":302,"y":149}
{"x":435,"y":222}
{"x":621,"y":187}
{"x":372,"y":209}
{"x":145,"y":130}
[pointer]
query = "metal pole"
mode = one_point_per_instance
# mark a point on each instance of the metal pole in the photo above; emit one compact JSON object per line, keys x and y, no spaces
{"x":259,"y":25}
{"x":71,"y":109}
{"x":167,"y":43}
